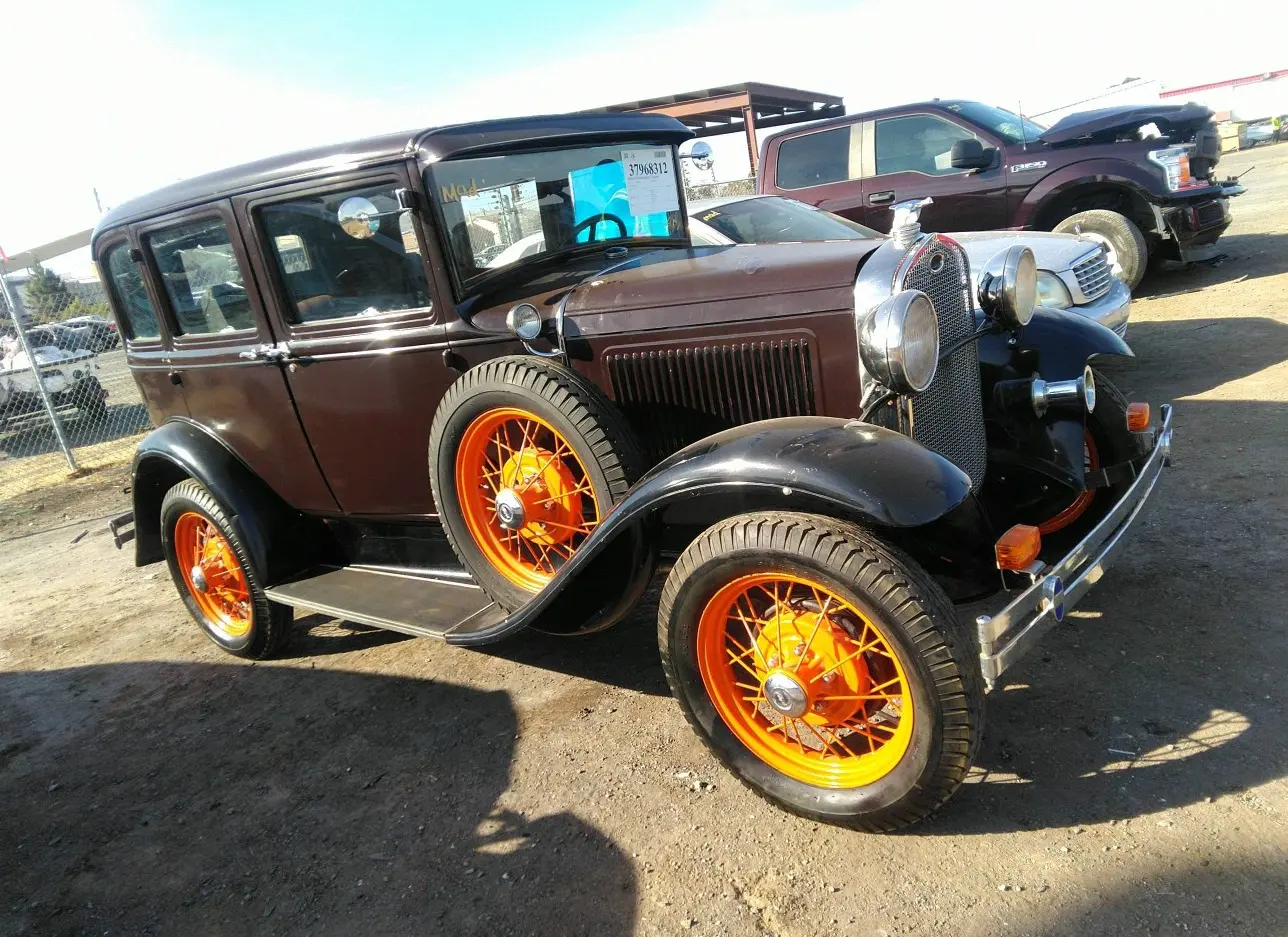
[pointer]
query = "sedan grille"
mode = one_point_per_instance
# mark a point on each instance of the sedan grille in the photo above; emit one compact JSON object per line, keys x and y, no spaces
{"x":1094,"y":276}
{"x":948,"y":417}
{"x":674,"y":396}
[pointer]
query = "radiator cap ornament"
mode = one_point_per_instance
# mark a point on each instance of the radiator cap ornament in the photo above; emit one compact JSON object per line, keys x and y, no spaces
{"x":906,"y":227}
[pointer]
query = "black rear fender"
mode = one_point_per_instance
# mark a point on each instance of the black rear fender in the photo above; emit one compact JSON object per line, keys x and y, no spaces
{"x":281,"y":540}
{"x":821,"y":465}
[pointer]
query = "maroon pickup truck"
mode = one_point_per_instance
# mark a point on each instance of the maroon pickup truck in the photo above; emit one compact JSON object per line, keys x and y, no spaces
{"x":1138,"y":179}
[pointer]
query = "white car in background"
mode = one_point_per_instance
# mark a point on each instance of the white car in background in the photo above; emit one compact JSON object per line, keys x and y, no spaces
{"x":1073,"y":272}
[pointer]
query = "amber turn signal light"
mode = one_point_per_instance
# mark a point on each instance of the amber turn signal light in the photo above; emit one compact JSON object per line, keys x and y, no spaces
{"x":1138,"y":416}
{"x":1018,"y":547}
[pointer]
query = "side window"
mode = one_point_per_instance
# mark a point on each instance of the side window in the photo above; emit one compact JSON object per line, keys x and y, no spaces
{"x":131,"y":296}
{"x":202,"y":277}
{"x":815,"y":158}
{"x":348,"y":253}
{"x":920,"y":143}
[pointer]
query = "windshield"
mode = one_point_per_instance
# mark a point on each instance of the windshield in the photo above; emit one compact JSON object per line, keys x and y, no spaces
{"x":1013,"y":127}
{"x":774,"y":220}
{"x":503,"y":210}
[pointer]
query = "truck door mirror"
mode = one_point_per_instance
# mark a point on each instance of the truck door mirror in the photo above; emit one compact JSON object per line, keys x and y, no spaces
{"x":971,"y":154}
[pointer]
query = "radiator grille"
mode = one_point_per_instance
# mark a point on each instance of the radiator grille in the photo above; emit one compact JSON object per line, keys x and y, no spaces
{"x":675,"y":396}
{"x":1094,"y":276}
{"x":948,"y":417}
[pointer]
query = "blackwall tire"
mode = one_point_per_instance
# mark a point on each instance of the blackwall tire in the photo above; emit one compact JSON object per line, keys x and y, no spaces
{"x":255,"y":628}
{"x":916,"y":647}
{"x":586,"y":458}
{"x":1129,"y":248}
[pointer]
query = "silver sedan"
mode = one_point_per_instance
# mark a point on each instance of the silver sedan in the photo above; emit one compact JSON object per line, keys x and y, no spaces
{"x":1073,"y":273}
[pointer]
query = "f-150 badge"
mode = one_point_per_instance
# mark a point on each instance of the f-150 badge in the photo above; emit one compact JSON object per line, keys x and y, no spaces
{"x":1024,"y":167}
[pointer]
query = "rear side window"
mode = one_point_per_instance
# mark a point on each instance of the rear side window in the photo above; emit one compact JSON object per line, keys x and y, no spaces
{"x":132,"y":297}
{"x":815,"y":159}
{"x":202,"y":277}
{"x":919,"y":143}
{"x":348,"y":253}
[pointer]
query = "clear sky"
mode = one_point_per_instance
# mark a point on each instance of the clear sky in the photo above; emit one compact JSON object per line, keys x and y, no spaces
{"x":128,"y":95}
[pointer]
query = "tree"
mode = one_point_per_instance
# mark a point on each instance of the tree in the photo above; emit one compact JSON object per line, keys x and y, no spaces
{"x":47,"y":294}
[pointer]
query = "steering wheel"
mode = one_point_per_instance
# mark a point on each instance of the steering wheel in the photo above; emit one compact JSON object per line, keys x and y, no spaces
{"x":590,"y":223}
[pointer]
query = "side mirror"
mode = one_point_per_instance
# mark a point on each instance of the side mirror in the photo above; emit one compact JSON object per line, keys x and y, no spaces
{"x":970,"y":154}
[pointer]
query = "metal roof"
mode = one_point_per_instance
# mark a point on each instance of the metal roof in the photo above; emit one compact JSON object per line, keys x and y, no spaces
{"x":724,"y":109}
{"x":429,"y":145}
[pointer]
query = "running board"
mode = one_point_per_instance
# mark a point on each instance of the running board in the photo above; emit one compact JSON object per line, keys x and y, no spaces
{"x":424,"y":605}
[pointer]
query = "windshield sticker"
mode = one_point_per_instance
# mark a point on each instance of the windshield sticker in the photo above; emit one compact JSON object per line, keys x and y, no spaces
{"x":711,"y":214}
{"x":1024,"y":167}
{"x":650,"y":181}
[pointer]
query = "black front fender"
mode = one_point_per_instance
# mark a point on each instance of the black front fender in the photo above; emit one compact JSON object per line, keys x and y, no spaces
{"x":820,"y":465}
{"x":281,"y":541}
{"x":1056,"y":345}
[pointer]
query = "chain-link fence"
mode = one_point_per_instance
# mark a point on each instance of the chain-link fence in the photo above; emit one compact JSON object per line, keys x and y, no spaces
{"x":721,"y":189}
{"x":68,"y":405}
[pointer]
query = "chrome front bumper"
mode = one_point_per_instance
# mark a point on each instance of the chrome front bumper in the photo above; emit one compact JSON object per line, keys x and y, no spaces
{"x":1008,"y":635}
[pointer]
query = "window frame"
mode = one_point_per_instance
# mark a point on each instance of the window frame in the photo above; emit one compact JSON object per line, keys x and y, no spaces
{"x":221,"y":211}
{"x":853,"y":151}
{"x":265,"y":262}
{"x":121,"y":238}
{"x":872,"y":134}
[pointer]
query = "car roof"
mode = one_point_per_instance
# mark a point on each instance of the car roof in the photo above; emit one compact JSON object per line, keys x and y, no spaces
{"x":940,"y":103}
{"x":706,"y":204}
{"x":428,"y":145}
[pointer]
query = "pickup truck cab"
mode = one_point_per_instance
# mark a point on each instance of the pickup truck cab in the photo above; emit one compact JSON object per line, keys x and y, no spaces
{"x":1139,"y":180}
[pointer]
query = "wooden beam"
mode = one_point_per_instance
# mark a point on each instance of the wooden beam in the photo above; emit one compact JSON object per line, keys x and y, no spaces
{"x":704,"y":106}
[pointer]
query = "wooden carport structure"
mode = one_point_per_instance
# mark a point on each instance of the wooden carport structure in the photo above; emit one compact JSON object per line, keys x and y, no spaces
{"x":744,"y":106}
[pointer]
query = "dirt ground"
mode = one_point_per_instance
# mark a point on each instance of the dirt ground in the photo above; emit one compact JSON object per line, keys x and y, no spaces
{"x":1132,"y":778}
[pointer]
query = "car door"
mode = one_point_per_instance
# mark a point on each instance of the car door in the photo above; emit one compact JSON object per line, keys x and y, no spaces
{"x":217,"y":327}
{"x":907,"y":157}
{"x":364,"y":343}
{"x":821,"y":167}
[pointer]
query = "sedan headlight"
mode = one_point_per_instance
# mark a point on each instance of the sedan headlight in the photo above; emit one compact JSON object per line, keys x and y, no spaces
{"x":1008,"y":291}
{"x":1052,"y":291}
{"x":899,"y":342}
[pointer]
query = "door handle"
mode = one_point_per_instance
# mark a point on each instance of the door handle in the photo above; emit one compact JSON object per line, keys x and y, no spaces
{"x":881,"y":198}
{"x":274,"y":353}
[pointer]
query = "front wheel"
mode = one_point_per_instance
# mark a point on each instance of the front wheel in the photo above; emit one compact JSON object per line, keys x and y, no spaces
{"x":822,"y":667}
{"x":1125,"y":246}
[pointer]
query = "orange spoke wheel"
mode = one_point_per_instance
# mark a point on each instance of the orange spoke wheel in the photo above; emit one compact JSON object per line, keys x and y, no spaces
{"x":212,"y":573}
{"x":1091,"y":463}
{"x":804,"y":680}
{"x":525,"y":495}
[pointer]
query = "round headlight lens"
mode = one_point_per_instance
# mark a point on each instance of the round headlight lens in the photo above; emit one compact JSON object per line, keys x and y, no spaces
{"x":1008,"y":290}
{"x":524,"y":320}
{"x":899,"y":342}
{"x":1052,"y":291}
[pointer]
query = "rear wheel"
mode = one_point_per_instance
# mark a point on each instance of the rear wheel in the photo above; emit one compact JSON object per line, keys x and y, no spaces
{"x":822,"y":667}
{"x":1126,"y":248}
{"x":212,"y":571}
{"x":526,"y":459}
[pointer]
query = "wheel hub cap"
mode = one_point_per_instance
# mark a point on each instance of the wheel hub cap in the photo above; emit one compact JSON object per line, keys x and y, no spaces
{"x":199,"y":580}
{"x":786,"y":694}
{"x":509,"y":509}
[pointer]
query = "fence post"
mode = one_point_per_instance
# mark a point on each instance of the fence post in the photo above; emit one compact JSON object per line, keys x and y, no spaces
{"x":34,"y":363}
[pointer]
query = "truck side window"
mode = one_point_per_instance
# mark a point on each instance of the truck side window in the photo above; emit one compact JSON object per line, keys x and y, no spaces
{"x":815,"y":159}
{"x":918,"y":143}
{"x":333,"y":268}
{"x":131,"y":297}
{"x":202,"y":277}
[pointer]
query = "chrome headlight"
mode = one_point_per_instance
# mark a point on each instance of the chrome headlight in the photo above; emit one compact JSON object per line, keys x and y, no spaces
{"x":524,"y":320}
{"x":899,"y":342}
{"x":1008,"y":291}
{"x":1052,"y":291}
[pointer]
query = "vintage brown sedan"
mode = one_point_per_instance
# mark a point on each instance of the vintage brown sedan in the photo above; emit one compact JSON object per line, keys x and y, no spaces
{"x":464,"y":381}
